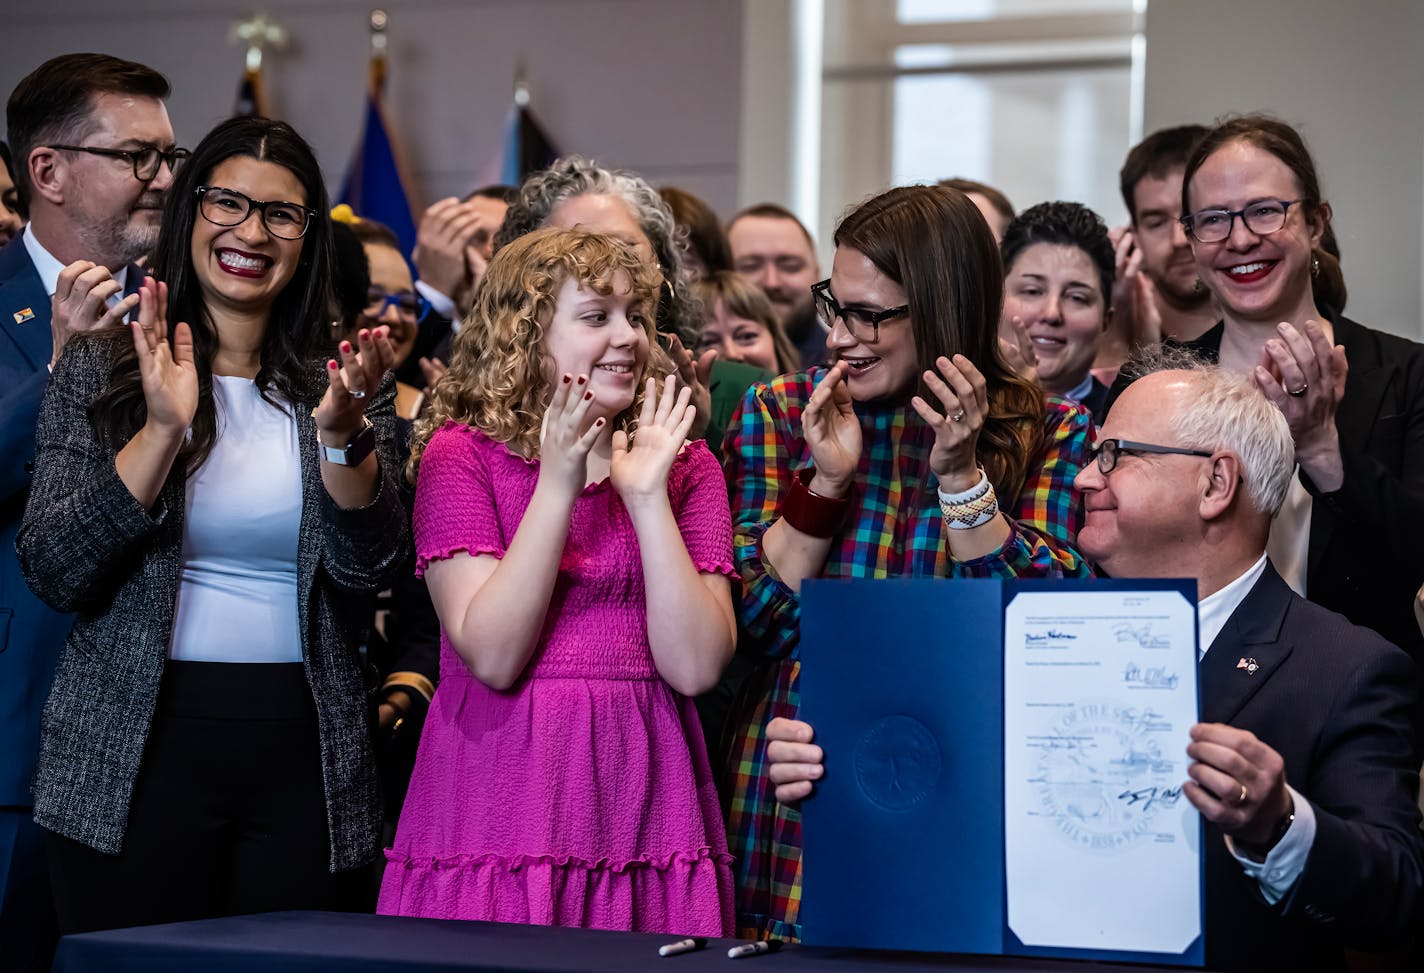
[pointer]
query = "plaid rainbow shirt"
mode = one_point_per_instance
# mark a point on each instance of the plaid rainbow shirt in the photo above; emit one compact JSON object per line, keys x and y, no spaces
{"x":896,"y":530}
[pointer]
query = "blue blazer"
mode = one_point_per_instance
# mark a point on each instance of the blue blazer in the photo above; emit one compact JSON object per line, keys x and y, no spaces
{"x":31,"y":633}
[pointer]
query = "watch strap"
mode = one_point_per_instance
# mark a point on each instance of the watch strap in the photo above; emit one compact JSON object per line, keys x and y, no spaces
{"x":354,"y":452}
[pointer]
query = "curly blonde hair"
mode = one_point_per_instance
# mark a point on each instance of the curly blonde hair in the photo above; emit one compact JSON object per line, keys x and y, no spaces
{"x":499,"y":376}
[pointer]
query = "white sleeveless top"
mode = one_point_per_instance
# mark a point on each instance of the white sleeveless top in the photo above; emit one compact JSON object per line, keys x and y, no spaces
{"x":237,"y":596}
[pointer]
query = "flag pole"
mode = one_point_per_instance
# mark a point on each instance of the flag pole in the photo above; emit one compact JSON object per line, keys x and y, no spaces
{"x":379,"y":22}
{"x":258,"y":33}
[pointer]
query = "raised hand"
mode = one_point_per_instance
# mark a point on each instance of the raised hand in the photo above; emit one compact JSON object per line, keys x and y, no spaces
{"x":639,"y":471}
{"x":350,"y":384}
{"x":433,"y":369}
{"x":1016,"y":347}
{"x":567,"y":436}
{"x":963,"y":394}
{"x":832,"y":432}
{"x":695,"y":372}
{"x":80,"y":303}
{"x":1305,"y":378}
{"x":168,"y":373}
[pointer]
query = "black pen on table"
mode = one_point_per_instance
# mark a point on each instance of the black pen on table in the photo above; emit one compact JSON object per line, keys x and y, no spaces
{"x":754,"y":949}
{"x":690,"y":945}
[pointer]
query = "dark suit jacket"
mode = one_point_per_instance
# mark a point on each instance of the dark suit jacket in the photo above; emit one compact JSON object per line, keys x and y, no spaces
{"x":86,"y":545}
{"x":1334,"y":700}
{"x":1365,"y":539}
{"x":31,"y":633}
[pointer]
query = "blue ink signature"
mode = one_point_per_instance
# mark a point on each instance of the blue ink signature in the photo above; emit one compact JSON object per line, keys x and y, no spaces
{"x":1148,"y":796}
{"x":1142,"y":635}
{"x":1052,"y":635}
{"x":1153,"y":677}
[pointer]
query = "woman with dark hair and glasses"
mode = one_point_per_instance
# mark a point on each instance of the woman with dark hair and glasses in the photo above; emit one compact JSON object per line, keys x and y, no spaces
{"x":918,"y":453}
{"x":212,"y":499}
{"x":1352,"y":525}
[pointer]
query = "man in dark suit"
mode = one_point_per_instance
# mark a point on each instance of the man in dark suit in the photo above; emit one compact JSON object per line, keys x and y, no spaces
{"x":1303,"y":768}
{"x":93,"y":154}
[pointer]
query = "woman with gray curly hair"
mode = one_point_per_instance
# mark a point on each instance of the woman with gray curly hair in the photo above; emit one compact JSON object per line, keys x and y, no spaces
{"x":578,"y":192}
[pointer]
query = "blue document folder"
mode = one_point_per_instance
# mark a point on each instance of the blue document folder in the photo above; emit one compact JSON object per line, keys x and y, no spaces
{"x":904,"y":837}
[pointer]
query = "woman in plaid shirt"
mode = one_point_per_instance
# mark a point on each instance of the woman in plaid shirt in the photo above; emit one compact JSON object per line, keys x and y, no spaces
{"x":858,"y":470}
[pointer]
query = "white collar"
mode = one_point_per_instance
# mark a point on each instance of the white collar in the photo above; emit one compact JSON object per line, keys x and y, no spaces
{"x":1215,"y":609}
{"x":48,"y":266}
{"x":1081,"y":391}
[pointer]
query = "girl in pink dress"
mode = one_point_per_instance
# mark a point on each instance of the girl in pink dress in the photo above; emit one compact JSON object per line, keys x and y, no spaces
{"x":578,"y":551}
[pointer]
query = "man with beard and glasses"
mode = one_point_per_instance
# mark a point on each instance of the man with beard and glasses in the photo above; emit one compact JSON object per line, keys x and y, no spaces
{"x":93,"y":157}
{"x":773,"y":249}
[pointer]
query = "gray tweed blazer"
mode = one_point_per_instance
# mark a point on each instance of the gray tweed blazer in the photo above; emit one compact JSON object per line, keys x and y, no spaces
{"x":87,"y":546}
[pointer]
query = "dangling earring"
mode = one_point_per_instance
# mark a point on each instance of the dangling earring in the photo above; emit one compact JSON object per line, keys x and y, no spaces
{"x":1315,"y":266}
{"x":1198,"y":287}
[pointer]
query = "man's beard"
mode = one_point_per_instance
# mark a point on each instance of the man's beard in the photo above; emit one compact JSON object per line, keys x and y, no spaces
{"x":120,"y":240}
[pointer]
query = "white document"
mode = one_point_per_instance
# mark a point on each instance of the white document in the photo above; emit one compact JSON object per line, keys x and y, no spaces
{"x":1101,"y":846}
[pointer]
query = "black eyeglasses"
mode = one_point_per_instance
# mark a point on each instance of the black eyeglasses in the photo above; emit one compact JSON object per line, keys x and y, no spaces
{"x":1107,"y":452}
{"x":1263,"y":217}
{"x":145,"y":161}
{"x":228,"y":207}
{"x":406,"y":303}
{"x":863,"y":323}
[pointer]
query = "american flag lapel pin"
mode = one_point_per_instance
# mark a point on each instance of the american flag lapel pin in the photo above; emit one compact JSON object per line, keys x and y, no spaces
{"x":1249,"y":664}
{"x":24,"y":314}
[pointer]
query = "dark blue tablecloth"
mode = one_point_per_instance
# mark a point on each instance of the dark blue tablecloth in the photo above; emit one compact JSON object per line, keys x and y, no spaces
{"x":323,"y":942}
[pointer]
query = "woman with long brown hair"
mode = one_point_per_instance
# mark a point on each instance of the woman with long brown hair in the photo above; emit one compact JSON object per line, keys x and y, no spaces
{"x":893,"y":462}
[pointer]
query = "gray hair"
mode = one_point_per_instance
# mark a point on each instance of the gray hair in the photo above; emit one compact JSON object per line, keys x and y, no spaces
{"x":1228,"y":412}
{"x":574,"y":175}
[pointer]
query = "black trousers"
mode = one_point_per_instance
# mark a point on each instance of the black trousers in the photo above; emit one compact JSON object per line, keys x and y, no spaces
{"x":228,"y":814}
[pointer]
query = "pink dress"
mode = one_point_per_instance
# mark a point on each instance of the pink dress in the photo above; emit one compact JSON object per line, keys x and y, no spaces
{"x":582,"y":796}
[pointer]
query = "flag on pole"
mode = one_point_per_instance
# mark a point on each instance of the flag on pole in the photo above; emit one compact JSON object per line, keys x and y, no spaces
{"x":258,"y":33}
{"x":527,"y":147}
{"x":374,"y":187}
{"x":250,"y":97}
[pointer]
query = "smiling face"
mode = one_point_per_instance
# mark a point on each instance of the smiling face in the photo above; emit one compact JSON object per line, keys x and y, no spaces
{"x":1166,"y":251}
{"x":1143,"y":516}
{"x":606,"y":215}
{"x":1258,"y":279}
{"x":774,"y":254}
{"x":888,"y":367}
{"x":738,"y":339}
{"x":1056,"y":291}
{"x":391,"y":274}
{"x":603,"y":337}
{"x":243,"y":268}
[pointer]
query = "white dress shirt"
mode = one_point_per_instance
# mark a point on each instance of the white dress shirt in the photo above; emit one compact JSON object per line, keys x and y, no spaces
{"x":1286,"y":861}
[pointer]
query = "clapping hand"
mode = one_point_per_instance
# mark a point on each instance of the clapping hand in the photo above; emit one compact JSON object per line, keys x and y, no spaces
{"x":694,"y":372}
{"x":963,"y":394}
{"x":639,"y":470}
{"x":1016,"y":348}
{"x":350,"y":384}
{"x":81,"y":303}
{"x":167,"y":372}
{"x":832,"y":432}
{"x":567,"y":436}
{"x":1305,"y":378}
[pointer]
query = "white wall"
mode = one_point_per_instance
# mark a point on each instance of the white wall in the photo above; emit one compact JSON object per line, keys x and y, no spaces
{"x":653,"y":85}
{"x":1350,"y":76}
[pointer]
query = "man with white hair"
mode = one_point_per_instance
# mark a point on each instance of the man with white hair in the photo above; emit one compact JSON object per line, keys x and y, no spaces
{"x":1303,"y":766}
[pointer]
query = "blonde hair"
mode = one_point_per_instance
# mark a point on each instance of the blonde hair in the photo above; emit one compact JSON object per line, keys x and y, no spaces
{"x":499,"y":379}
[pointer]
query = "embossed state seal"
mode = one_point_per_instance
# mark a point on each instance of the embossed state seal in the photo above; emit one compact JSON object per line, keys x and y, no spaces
{"x":897,"y":762}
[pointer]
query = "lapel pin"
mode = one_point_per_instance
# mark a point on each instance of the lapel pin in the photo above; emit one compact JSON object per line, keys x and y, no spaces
{"x":1249,"y":664}
{"x":23,"y":315}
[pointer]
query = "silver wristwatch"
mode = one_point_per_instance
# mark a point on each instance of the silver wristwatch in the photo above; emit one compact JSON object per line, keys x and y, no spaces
{"x":354,"y":451}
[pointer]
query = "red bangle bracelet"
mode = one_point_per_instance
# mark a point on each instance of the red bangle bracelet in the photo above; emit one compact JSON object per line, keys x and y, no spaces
{"x":810,"y":514}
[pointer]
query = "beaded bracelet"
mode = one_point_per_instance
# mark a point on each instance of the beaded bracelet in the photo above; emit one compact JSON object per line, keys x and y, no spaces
{"x":972,"y":508}
{"x":810,"y":513}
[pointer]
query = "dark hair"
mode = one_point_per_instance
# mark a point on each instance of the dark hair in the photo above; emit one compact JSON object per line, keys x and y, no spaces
{"x":52,"y":103}
{"x":1282,"y":141}
{"x":298,"y":325}
{"x":1066,"y":224}
{"x":772,"y":211}
{"x":996,"y":198}
{"x":1156,"y":156}
{"x":505,"y":194}
{"x":374,"y":233}
{"x":934,"y":243}
{"x":351,"y":273}
{"x":699,"y":226}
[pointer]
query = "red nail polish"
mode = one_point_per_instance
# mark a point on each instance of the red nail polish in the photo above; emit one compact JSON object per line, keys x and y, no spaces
{"x":588,"y":395}
{"x":582,"y":379}
{"x":331,"y":365}
{"x":346,"y":347}
{"x":566,"y":380}
{"x":598,"y":421}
